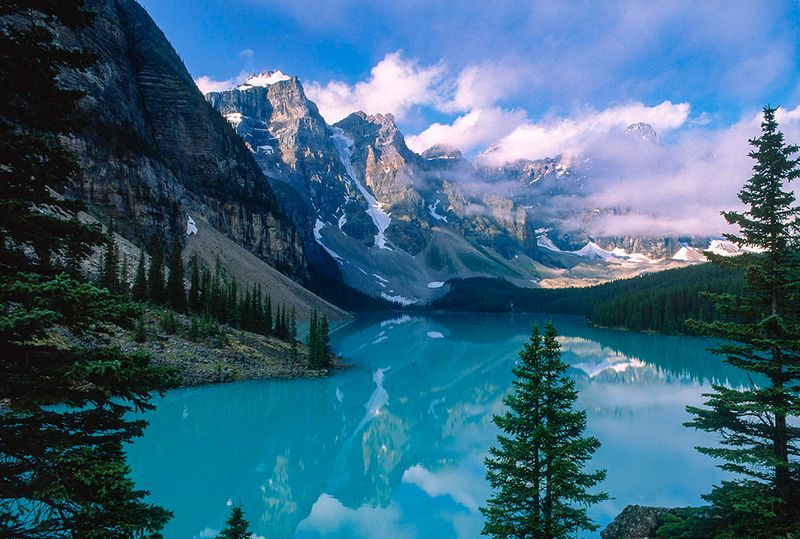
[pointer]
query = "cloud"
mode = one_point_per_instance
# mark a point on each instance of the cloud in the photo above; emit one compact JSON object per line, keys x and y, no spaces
{"x":396,"y":84}
{"x":481,"y":86}
{"x":207,"y":84}
{"x":247,"y":53}
{"x":329,"y":515}
{"x":574,"y":135}
{"x":677,"y":189}
{"x":476,"y":129}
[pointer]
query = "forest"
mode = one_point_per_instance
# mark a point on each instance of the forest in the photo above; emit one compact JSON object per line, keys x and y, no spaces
{"x":660,"y":301}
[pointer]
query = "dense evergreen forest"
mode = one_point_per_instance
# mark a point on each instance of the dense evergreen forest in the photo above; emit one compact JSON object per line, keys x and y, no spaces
{"x":660,"y":301}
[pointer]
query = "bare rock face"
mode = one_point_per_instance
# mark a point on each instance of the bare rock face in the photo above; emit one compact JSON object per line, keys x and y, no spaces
{"x":298,"y":152}
{"x":154,"y":152}
{"x":635,"y":522}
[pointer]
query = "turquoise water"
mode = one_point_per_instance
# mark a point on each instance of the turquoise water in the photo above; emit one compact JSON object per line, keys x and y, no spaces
{"x":393,"y":446}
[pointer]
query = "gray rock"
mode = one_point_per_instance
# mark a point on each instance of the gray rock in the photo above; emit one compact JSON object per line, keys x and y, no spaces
{"x":635,"y":522}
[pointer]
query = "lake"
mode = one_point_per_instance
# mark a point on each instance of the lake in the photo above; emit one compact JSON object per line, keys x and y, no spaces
{"x":393,"y":447}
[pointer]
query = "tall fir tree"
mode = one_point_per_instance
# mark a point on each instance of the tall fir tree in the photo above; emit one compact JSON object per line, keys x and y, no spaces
{"x":124,"y":278}
{"x":537,"y":466}
{"x":326,"y":354}
{"x":195,"y":300}
{"x":139,"y":290}
{"x":155,"y":275}
{"x":109,"y":266}
{"x":64,"y":418}
{"x":236,"y":527}
{"x":313,"y":343}
{"x":759,"y":425}
{"x":176,"y":288}
{"x":293,"y":324}
{"x":268,"y":315}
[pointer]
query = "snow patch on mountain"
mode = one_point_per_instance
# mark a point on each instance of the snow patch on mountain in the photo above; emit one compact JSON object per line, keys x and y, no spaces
{"x":689,"y":254}
{"x":234,"y":118}
{"x":191,"y":226}
{"x":435,"y":284}
{"x":267,"y":78}
{"x":318,"y":226}
{"x":381,"y":219}
{"x":399,"y":299}
{"x":432,"y":210}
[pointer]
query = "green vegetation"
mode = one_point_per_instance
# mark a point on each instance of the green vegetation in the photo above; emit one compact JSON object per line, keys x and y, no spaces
{"x":660,"y":301}
{"x":65,"y":408}
{"x":758,"y":426}
{"x":537,"y":466}
{"x":236,"y":526}
{"x":320,"y":355}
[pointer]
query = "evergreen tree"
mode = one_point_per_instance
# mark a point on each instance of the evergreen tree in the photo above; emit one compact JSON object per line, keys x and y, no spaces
{"x":63,"y":419}
{"x":176,"y":288}
{"x":293,"y":325}
{"x":139,"y":288}
{"x":236,"y":526}
{"x":268,"y":315}
{"x":124,"y":285}
{"x":541,"y":490}
{"x":326,"y":354}
{"x":109,"y":267}
{"x":155,"y":277}
{"x":758,"y":425}
{"x":313,"y":343}
{"x":195,"y":295}
{"x":205,"y":292}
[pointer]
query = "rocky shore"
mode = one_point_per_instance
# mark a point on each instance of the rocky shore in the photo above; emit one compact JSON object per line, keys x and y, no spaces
{"x":229,"y":355}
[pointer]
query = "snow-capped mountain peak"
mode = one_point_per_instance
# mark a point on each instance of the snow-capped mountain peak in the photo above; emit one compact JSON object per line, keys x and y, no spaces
{"x":644,"y":131}
{"x":264,"y":79}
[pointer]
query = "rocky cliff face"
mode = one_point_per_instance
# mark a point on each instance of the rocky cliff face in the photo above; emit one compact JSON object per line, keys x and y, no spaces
{"x":154,"y":152}
{"x":395,"y":223}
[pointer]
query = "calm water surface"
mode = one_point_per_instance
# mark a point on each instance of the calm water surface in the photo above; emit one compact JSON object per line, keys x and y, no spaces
{"x":393,"y":447}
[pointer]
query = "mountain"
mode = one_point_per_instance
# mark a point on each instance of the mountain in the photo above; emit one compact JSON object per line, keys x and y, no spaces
{"x":397,"y":224}
{"x":157,"y":157}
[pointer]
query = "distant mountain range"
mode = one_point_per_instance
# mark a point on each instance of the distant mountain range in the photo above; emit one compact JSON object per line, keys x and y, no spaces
{"x":257,"y":170}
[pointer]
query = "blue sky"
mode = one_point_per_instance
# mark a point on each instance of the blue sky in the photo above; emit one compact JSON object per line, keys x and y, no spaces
{"x":723,"y":58}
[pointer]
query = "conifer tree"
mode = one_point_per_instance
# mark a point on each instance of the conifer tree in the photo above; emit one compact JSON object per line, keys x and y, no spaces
{"x":293,"y":324}
{"x":176,"y":288}
{"x":195,"y":300}
{"x":205,"y":292}
{"x":139,"y":288}
{"x":258,"y":310}
{"x":323,"y":331}
{"x":63,"y":419}
{"x":536,"y":468}
{"x":155,"y":277}
{"x":109,"y":267}
{"x":268,"y":315}
{"x":758,"y":425}
{"x":236,"y":525}
{"x":124,"y":284}
{"x":313,"y":343}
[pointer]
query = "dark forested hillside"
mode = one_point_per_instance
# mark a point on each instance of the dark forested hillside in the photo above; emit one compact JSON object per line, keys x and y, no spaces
{"x":660,"y":301}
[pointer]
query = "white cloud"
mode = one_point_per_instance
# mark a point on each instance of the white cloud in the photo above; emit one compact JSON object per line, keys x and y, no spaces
{"x":395,"y":85}
{"x":247,"y":53}
{"x":481,"y":86}
{"x":463,"y":488}
{"x":329,"y":515}
{"x":574,"y":135}
{"x":476,"y":129}
{"x":207,"y":84}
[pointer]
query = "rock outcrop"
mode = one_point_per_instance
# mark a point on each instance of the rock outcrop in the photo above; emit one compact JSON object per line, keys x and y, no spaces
{"x":635,"y":522}
{"x":155,"y":153}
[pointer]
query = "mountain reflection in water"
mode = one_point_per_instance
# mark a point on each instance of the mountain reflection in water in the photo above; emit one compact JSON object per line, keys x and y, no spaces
{"x":393,"y":447}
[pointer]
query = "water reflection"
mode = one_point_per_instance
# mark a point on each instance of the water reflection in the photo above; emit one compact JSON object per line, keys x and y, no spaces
{"x":393,"y":447}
